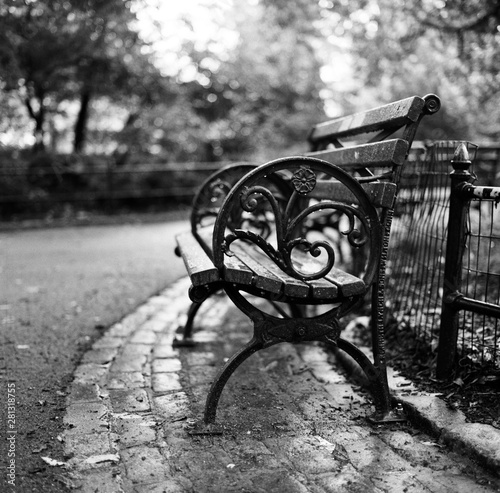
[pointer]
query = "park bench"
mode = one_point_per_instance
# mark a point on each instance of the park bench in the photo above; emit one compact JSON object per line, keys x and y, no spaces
{"x":299,"y":242}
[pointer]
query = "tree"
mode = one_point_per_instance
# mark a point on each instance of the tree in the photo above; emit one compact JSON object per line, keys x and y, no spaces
{"x":472,"y":30}
{"x":451,"y":48}
{"x":71,"y":50}
{"x":260,"y":97}
{"x":34,"y":60}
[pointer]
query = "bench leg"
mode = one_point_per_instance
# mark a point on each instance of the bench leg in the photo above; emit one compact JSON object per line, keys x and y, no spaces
{"x":208,"y":426}
{"x":223,"y":376}
{"x":198,"y":295}
{"x":379,"y":389}
{"x":187,"y":330}
{"x":268,"y":331}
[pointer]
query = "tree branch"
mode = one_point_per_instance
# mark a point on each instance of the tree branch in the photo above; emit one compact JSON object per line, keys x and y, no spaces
{"x":455,"y":27}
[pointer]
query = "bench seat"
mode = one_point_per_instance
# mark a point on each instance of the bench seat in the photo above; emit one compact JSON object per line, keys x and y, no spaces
{"x":252,"y":271}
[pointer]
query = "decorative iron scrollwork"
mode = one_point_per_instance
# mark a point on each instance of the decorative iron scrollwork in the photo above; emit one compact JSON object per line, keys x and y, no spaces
{"x":304,"y":180}
{"x":218,"y":189}
{"x":251,"y":200}
{"x":210,"y":196}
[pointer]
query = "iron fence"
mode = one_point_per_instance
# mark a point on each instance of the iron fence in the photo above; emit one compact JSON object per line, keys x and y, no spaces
{"x":428,"y":271}
{"x":34,"y":190}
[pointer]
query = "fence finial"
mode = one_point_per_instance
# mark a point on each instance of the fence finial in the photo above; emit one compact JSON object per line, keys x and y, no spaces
{"x":461,"y":158}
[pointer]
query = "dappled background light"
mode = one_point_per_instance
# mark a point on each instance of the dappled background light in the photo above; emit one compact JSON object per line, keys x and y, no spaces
{"x":207,"y":80}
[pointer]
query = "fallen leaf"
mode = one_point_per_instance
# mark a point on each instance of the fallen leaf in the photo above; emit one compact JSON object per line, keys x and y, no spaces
{"x":490,"y":378}
{"x":96,"y":459}
{"x":40,"y":449}
{"x":270,"y":366}
{"x":53,"y":462}
{"x":330,"y":447}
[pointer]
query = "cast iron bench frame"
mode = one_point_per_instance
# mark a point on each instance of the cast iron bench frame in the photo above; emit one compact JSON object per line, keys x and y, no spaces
{"x":239,"y":208}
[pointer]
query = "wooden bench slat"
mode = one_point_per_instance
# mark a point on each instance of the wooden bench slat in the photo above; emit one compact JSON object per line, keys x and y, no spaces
{"x":235,"y":271}
{"x":381,"y":194}
{"x":317,"y":289}
{"x":264,"y":277}
{"x":251,"y":267}
{"x":200,"y":267}
{"x":269,"y":274}
{"x":336,"y":283}
{"x":348,"y":284}
{"x":322,"y":289}
{"x":393,"y":115}
{"x":292,"y":287}
{"x":386,"y":153}
{"x":256,"y":269}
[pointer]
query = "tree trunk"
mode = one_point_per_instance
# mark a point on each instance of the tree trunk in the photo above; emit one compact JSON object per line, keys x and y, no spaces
{"x":39,"y":117}
{"x":81,"y":121}
{"x":39,"y":131}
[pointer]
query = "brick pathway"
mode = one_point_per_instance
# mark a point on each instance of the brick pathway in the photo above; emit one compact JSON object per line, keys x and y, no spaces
{"x":293,"y":423}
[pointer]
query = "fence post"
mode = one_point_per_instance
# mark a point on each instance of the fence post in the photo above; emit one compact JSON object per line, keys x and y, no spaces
{"x":110,"y":200}
{"x":455,"y":245}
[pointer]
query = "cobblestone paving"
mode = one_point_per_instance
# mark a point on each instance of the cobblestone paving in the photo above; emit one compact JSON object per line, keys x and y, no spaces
{"x":293,"y":423}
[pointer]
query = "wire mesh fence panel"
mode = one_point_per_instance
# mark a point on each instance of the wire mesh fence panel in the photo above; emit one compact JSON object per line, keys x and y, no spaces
{"x":479,"y":337}
{"x":418,"y":247}
{"x":416,"y":256}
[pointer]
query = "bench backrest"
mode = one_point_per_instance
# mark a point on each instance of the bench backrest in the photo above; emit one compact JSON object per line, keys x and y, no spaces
{"x":376,"y":162}
{"x":356,"y":196}
{"x":360,"y":147}
{"x":360,"y":142}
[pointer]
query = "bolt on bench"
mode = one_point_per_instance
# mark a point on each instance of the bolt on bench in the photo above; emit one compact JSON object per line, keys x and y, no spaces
{"x":307,"y":234}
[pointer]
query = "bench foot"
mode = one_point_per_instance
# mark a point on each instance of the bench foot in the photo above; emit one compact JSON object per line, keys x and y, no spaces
{"x":201,"y":428}
{"x":393,"y":416}
{"x":184,"y":342}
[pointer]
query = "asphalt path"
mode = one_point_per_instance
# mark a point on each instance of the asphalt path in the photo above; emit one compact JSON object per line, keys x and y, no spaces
{"x":60,"y":289}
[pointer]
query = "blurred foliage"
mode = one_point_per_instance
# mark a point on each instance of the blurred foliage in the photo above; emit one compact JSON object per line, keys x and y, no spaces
{"x":55,"y":52}
{"x":79,"y":72}
{"x":447,"y":47}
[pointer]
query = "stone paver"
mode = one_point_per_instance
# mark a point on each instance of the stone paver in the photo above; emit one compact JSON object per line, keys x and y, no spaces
{"x":293,"y":421}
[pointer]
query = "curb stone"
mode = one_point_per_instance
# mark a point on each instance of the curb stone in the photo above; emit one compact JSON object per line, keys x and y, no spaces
{"x":476,"y":440}
{"x":112,"y":436}
{"x":429,"y":412}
